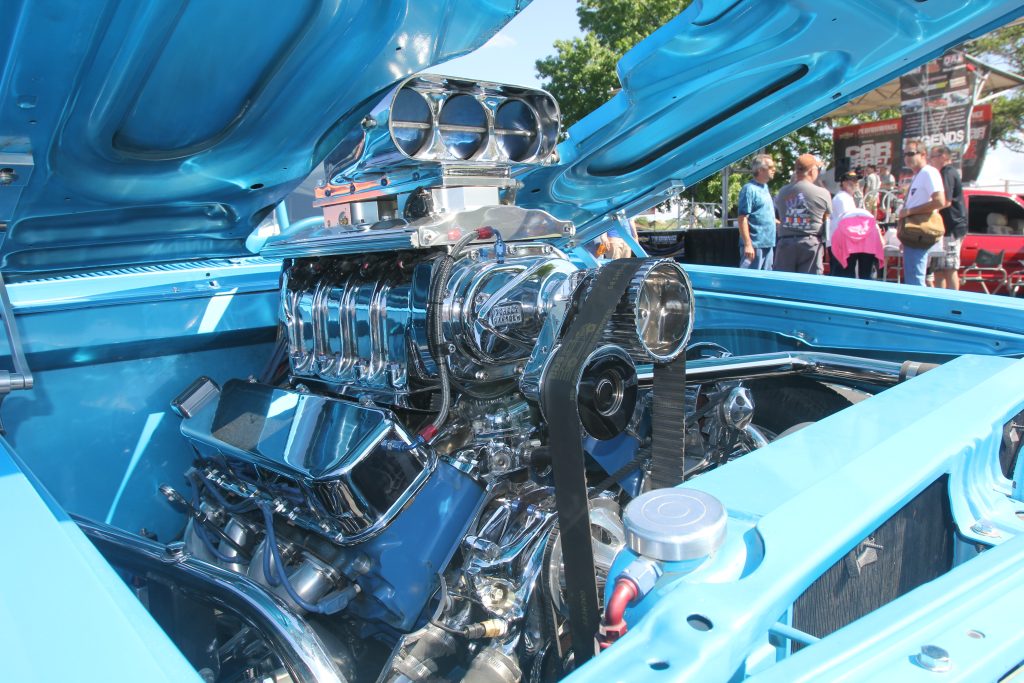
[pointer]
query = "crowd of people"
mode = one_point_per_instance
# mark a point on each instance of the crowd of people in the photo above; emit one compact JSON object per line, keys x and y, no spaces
{"x":794,"y":230}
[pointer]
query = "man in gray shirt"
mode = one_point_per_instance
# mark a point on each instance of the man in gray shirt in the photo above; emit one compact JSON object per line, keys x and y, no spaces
{"x":803,"y":208}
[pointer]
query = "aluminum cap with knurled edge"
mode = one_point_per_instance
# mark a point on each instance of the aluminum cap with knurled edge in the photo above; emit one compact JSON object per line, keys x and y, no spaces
{"x":673,"y":525}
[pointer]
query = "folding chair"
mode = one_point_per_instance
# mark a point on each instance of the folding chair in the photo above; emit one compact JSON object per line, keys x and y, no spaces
{"x":1016,"y":280}
{"x":987,"y":270}
{"x":892,"y":268}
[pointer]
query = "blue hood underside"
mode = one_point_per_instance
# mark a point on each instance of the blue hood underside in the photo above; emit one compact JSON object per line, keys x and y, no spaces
{"x":136,"y":133}
{"x":727,"y":77}
{"x":140,"y":132}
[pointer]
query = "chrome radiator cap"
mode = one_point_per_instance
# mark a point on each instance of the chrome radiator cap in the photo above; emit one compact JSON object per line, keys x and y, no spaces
{"x":674,"y":525}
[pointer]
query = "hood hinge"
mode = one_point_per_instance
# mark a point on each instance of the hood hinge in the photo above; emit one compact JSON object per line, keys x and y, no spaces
{"x":20,"y":377}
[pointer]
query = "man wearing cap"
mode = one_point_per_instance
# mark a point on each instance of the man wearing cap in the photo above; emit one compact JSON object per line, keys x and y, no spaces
{"x":803,"y":208}
{"x":842,"y":202}
{"x":757,"y":217}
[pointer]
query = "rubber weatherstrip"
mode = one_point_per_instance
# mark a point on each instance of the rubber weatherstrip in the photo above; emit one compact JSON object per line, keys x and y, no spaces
{"x":566,"y":446}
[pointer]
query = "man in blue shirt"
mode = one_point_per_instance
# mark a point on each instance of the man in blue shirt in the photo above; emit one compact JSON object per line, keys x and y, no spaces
{"x":757,"y":217}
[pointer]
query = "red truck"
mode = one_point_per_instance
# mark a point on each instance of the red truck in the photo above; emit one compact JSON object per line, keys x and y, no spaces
{"x":995,"y":223}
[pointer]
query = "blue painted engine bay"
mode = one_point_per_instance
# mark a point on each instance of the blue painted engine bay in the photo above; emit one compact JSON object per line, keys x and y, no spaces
{"x":937,"y":437}
{"x":430,"y":437}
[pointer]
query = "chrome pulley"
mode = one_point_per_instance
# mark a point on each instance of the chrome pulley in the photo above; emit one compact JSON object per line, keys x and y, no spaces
{"x":608,"y":536}
{"x":606,"y":392}
{"x":654,"y":318}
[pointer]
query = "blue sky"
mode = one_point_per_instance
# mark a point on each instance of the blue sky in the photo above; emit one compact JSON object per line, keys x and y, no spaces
{"x":509,"y":57}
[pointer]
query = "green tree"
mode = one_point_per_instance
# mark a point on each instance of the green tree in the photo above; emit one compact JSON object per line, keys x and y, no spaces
{"x":814,"y":138}
{"x":1004,"y":47}
{"x":581,"y":74}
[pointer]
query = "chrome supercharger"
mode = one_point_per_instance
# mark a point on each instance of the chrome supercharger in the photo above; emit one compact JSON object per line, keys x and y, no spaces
{"x":360,"y":328}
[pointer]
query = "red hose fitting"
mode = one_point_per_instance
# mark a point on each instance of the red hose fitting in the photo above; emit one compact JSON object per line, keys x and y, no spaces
{"x":428,"y":432}
{"x":485,"y":232}
{"x":613,"y":626}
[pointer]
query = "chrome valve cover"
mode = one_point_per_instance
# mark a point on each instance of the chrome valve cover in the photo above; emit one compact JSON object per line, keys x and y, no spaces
{"x":343,"y":454}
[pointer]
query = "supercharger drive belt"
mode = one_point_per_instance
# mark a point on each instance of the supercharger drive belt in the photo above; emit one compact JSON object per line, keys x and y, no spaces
{"x":559,"y":396}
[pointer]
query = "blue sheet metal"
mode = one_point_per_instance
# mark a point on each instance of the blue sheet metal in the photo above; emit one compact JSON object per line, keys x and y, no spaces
{"x":800,"y":504}
{"x":147,"y":132}
{"x":725,"y":78}
{"x":65,"y":614}
{"x":971,"y":613}
{"x":109,"y":353}
{"x":842,"y":314}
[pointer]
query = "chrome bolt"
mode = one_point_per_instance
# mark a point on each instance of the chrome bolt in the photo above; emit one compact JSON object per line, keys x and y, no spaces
{"x":983,"y":527}
{"x":361,"y":565}
{"x":933,"y":658}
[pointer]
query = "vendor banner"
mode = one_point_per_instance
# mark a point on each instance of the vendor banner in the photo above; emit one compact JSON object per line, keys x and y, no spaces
{"x":974,"y":155}
{"x":867,"y":144}
{"x":935,"y":99}
{"x":879,"y":144}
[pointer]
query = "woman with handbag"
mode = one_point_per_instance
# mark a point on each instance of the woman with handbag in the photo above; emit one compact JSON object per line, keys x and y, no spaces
{"x":920,"y":225}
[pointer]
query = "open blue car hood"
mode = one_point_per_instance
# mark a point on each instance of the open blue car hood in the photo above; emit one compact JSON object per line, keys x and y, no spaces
{"x":727,"y":77}
{"x":137,"y":132}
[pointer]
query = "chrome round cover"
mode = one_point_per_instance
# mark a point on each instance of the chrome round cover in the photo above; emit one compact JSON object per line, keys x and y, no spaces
{"x":654,"y":319}
{"x":495,"y":311}
{"x":675,"y":524}
{"x":606,"y":392}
